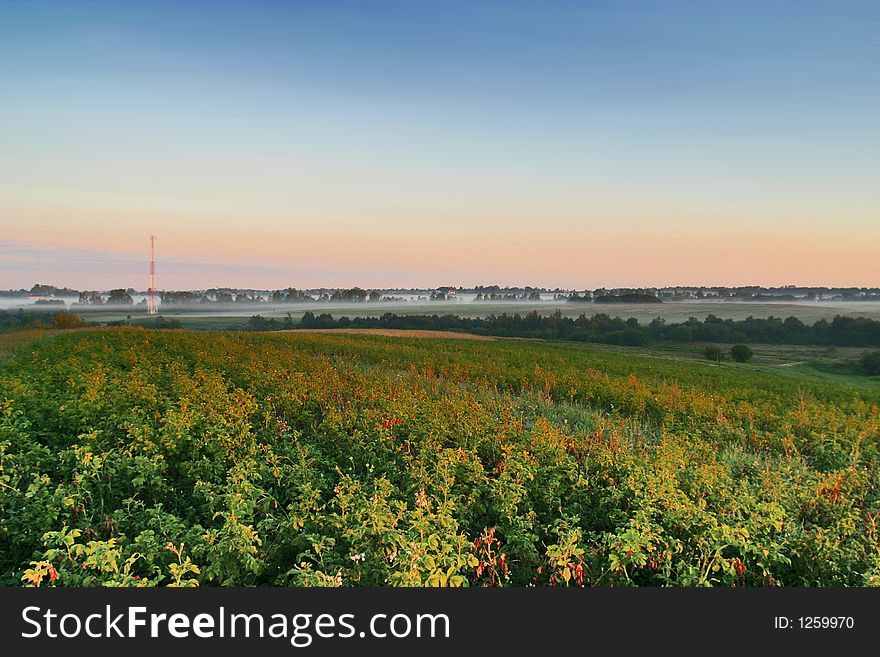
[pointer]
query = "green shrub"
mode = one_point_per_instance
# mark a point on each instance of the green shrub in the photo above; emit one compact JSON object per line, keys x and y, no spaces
{"x":870,"y":362}
{"x":741,"y":353}
{"x":713,"y":353}
{"x":64,"y":319}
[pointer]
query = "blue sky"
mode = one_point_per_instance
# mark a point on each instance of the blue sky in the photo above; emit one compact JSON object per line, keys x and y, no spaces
{"x":417,"y":143}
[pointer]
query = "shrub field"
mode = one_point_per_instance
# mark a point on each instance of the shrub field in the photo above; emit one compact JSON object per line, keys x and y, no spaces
{"x":143,"y":457}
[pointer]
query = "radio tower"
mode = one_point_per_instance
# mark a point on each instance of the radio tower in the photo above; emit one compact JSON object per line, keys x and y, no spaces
{"x":152,"y":301}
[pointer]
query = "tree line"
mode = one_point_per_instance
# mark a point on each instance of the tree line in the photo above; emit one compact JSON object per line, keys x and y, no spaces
{"x":840,"y":331}
{"x":22,"y":319}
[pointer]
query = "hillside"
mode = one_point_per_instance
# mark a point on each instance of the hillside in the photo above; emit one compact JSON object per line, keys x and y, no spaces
{"x":142,"y":458}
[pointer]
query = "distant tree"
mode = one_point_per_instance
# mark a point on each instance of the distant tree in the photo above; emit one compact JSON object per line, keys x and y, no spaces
{"x":64,"y":319}
{"x":870,"y":362}
{"x":90,"y":298}
{"x":713,"y":353}
{"x":353,"y":294}
{"x":178,"y":296}
{"x":375,"y":295}
{"x":628,"y":337}
{"x":40,"y":290}
{"x":119,"y":297}
{"x":308,"y":320}
{"x":794,"y":330}
{"x":157,"y":323}
{"x":260,"y":323}
{"x":680,"y":333}
{"x":741,"y":353}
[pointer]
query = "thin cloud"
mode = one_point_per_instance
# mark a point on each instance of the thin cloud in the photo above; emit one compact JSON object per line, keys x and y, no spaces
{"x":22,"y":264}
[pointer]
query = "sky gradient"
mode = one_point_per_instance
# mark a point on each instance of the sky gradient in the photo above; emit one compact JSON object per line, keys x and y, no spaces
{"x":379,"y":143}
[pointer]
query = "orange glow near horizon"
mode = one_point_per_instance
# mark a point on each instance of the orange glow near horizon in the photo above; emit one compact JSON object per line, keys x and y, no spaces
{"x":596,"y":251}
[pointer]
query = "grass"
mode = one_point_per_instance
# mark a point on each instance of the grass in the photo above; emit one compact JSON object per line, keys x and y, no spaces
{"x":800,"y":362}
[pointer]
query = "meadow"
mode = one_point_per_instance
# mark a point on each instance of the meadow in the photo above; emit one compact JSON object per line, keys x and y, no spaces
{"x":133,"y":457}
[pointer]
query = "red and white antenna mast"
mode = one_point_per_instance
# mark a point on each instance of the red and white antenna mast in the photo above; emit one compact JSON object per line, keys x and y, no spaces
{"x":152,"y":300}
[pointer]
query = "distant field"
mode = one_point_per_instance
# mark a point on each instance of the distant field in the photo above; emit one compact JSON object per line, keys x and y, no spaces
{"x":398,"y":333}
{"x":800,"y":361}
{"x":206,"y":317}
{"x":148,"y":458}
{"x":803,"y":362}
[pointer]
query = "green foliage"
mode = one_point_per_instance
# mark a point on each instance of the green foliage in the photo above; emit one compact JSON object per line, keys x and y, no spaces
{"x":156,"y":458}
{"x":159,"y":322}
{"x":15,"y":320}
{"x":602,"y":328}
{"x":67,"y":320}
{"x":713,"y":353}
{"x":741,"y":353}
{"x":870,"y":363}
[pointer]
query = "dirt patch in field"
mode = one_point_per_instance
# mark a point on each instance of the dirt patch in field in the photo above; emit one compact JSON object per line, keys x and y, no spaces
{"x":397,"y":333}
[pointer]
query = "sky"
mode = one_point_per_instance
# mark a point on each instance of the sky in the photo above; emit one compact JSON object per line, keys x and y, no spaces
{"x":424,"y":143}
